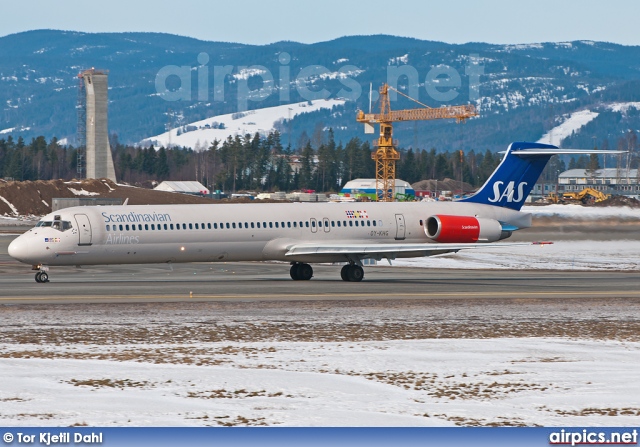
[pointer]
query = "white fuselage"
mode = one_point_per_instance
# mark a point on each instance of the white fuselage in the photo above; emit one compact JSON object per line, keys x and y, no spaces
{"x":231,"y":232}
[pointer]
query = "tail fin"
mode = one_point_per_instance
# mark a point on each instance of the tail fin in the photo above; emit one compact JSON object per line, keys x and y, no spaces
{"x":514,"y":178}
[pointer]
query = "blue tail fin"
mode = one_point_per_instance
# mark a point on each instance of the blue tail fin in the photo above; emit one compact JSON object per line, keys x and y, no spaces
{"x":513,"y":180}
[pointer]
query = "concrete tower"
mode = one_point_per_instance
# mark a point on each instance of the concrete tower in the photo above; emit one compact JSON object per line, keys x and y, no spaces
{"x":98,"y":157}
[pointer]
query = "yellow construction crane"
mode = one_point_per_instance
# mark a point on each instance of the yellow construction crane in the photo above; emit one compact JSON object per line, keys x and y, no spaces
{"x":385,"y":154}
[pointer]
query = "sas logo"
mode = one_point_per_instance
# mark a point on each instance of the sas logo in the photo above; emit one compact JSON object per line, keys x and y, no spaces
{"x":508,"y":192}
{"x":52,"y":239}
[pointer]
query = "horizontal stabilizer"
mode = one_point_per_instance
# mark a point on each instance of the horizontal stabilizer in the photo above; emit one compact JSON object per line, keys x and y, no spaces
{"x":522,"y":152}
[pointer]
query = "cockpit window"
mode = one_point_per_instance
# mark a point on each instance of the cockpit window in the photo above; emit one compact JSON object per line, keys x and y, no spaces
{"x":60,"y":225}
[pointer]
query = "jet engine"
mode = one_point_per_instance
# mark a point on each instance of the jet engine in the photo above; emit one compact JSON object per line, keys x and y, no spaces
{"x":464,"y":229}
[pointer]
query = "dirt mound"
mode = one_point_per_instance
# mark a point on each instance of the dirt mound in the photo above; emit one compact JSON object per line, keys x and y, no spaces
{"x":620,"y":201}
{"x":35,"y":197}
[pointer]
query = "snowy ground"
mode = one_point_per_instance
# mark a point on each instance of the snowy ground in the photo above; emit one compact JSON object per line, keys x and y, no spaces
{"x":393,"y":383}
{"x":405,"y":363}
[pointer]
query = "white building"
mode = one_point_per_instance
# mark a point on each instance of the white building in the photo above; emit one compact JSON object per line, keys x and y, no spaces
{"x":195,"y":188}
{"x":610,"y":180}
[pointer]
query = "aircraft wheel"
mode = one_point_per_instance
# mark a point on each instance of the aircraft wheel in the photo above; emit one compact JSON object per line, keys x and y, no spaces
{"x":305,"y":272}
{"x":294,"y":271}
{"x":356,"y":273}
{"x":42,"y":277}
{"x":344,"y":273}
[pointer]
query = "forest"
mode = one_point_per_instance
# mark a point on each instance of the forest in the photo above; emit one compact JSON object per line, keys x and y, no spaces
{"x":262,"y":163}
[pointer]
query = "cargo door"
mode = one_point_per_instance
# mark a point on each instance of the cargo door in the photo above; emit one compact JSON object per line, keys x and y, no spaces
{"x":84,"y":229}
{"x":401,"y":228}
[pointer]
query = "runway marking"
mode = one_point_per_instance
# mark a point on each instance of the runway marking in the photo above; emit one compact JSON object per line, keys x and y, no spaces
{"x":187,"y":296}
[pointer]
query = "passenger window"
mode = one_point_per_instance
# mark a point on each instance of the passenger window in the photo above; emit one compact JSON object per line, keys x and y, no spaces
{"x":165,"y":226}
{"x":313,"y":223}
{"x":302,"y":225}
{"x":108,"y":227}
{"x":209,"y":226}
{"x":227,"y":225}
{"x":233,"y":224}
{"x":127,"y":227}
{"x":368,"y":223}
{"x":374,"y":223}
{"x":246,"y":225}
{"x":170,"y":226}
{"x":177,"y":226}
{"x":282,"y":223}
{"x":121,"y":227}
{"x":320,"y":223}
{"x":344,"y":223}
{"x":295,"y":225}
{"x":277,"y":225}
{"x":252,"y":225}
{"x":350,"y":223}
{"x":139,"y":227}
{"x":184,"y":226}
{"x":306,"y":224}
{"x":197,"y":227}
{"x":191,"y":226}
{"x":270,"y":224}
{"x":289,"y":224}
{"x":258,"y":224}
{"x":333,"y":223}
{"x":338,"y":223}
{"x":356,"y":223}
{"x":133,"y":227}
{"x":264,"y":225}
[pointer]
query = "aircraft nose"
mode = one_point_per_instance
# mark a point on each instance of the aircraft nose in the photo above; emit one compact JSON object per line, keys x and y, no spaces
{"x":19,"y":249}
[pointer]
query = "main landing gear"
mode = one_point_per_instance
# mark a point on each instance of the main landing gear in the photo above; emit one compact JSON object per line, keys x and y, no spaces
{"x":301,"y":272}
{"x":42,"y":277}
{"x":352,"y":273}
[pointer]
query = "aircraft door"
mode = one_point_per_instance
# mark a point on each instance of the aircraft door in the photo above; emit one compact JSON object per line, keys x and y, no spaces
{"x":400,"y":227}
{"x":84,"y":229}
{"x":314,"y":225}
{"x":325,"y":221}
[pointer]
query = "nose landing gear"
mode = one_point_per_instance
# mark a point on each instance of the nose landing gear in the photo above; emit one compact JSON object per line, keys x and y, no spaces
{"x":41,"y":273}
{"x":42,"y":277}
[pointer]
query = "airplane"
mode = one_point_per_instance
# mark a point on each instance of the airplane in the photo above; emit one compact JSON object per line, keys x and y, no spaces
{"x":297,"y":233}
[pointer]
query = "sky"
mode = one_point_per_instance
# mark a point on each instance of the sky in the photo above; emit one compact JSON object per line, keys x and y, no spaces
{"x":264,"y":22}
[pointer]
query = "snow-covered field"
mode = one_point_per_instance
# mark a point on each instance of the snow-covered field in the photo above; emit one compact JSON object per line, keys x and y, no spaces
{"x":436,"y":382}
{"x":249,"y":122}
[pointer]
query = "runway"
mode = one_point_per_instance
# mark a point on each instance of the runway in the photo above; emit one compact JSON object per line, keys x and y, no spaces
{"x":271,"y":282}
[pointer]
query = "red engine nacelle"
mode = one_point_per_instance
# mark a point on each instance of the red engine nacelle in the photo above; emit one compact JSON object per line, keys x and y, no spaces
{"x":463,"y":229}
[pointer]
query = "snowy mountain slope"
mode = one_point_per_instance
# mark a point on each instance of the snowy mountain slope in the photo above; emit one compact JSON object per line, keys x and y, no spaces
{"x":221,"y":127}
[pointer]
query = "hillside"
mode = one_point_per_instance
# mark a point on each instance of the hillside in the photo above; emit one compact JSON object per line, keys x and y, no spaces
{"x":523,"y":91}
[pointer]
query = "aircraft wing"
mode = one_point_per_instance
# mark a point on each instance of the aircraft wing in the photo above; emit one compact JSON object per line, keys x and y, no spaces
{"x":391,"y":251}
